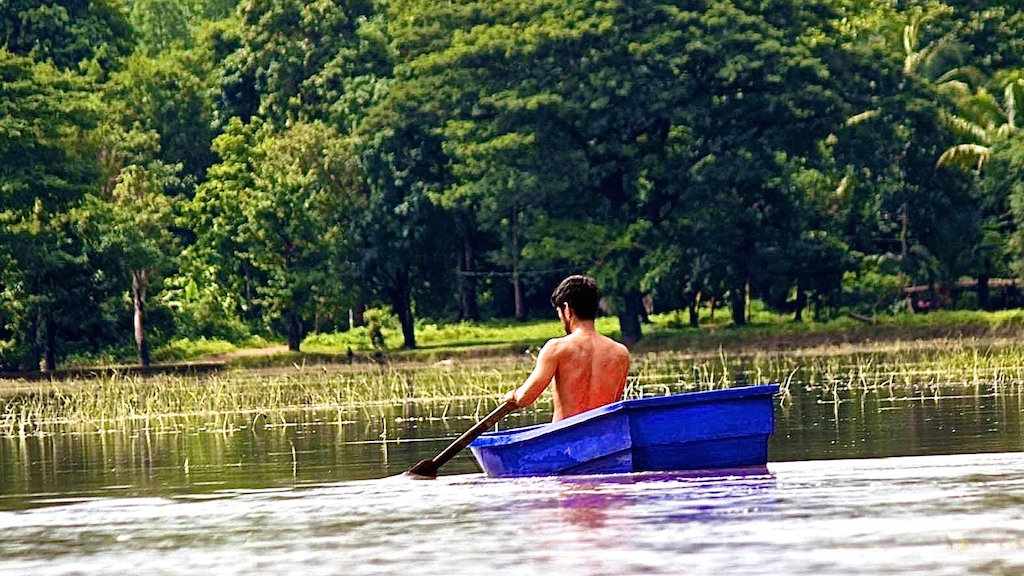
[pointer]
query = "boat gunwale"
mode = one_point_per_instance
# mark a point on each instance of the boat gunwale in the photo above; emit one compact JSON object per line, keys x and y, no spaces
{"x":516,"y":435}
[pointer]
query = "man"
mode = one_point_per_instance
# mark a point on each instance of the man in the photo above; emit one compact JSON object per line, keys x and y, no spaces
{"x":589,"y":369}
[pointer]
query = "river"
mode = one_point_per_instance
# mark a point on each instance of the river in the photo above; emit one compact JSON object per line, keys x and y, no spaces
{"x":868,"y":482}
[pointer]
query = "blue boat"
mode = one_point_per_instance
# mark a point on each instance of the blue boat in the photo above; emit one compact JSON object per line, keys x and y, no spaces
{"x":726,"y":428}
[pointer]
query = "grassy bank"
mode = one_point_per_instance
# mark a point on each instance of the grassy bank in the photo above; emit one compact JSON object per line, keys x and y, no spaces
{"x":766,"y":331}
{"x":244,"y":398}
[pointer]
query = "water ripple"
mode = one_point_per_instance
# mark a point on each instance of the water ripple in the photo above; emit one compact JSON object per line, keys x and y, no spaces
{"x":934,"y":514}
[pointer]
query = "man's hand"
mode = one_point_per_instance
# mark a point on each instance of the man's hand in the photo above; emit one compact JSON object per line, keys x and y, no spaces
{"x":511,"y":396}
{"x":543,"y":372}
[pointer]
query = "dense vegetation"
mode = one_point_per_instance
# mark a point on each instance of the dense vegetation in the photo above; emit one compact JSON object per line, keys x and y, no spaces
{"x":205,"y":169}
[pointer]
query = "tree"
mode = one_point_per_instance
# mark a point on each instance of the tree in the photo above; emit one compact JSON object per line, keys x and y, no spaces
{"x":1004,"y":178}
{"x":217,"y":286}
{"x":982,"y":121}
{"x":297,"y":214}
{"x":66,"y":32}
{"x":296,"y":59}
{"x":133,"y":225}
{"x":161,"y":25}
{"x":983,"y":125}
{"x":45,"y":116}
{"x":403,"y":235}
{"x":167,"y":94}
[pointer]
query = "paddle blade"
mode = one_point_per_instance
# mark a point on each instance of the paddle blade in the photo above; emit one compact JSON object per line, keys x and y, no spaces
{"x":424,"y":469}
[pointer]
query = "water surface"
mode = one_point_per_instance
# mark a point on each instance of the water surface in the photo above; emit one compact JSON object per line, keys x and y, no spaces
{"x":927,"y":515}
{"x":876,"y":481}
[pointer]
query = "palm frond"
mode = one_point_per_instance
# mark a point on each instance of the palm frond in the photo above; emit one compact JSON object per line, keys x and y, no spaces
{"x":966,"y":75}
{"x":911,"y":62}
{"x":910,"y":35}
{"x":965,"y":129}
{"x":983,"y":109}
{"x":862,"y":117}
{"x":954,"y":88}
{"x":1013,"y":101}
{"x":943,"y":54}
{"x":966,"y":156}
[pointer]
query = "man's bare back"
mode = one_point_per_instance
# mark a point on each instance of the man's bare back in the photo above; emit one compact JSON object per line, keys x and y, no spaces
{"x":589,"y":369}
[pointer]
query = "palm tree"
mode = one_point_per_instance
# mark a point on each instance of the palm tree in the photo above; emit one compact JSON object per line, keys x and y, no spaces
{"x":981,"y":122}
{"x":939,"y":63}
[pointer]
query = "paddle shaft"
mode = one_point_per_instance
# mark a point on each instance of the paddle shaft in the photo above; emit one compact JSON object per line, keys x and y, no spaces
{"x":469,"y":435}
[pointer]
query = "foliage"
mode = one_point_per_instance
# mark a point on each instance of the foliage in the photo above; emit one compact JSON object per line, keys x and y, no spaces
{"x":44,"y":171}
{"x":210,"y":168}
{"x":294,"y":217}
{"x":67,"y":33}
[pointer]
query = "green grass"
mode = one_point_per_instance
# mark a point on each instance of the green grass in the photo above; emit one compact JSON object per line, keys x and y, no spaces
{"x":176,"y":350}
{"x":237,"y":399}
{"x":671,"y":331}
{"x":455,"y":335}
{"x":182,"y":349}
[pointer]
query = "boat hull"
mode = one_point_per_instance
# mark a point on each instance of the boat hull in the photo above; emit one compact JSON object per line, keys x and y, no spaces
{"x":694,"y":431}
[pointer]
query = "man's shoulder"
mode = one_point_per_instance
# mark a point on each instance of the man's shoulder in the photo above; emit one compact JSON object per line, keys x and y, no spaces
{"x":618,"y":347}
{"x":554,"y":344}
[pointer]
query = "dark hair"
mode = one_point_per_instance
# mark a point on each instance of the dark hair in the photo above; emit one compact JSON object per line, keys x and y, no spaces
{"x":581,"y":293}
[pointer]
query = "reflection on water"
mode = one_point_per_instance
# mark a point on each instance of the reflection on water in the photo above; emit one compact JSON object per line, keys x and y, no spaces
{"x":926,"y":515}
{"x":810,"y":425}
{"x":309,"y":498}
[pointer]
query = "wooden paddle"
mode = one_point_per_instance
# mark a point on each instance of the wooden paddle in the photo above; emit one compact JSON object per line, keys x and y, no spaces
{"x":428,"y":468}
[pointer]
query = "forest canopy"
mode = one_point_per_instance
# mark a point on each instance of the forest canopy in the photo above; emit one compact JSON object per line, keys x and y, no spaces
{"x":213,"y":168}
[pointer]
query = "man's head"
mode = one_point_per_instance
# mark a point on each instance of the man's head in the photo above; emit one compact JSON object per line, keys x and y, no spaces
{"x":576,"y":299}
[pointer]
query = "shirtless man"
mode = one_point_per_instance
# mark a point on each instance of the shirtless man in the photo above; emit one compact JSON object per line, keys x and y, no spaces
{"x":589,"y":369}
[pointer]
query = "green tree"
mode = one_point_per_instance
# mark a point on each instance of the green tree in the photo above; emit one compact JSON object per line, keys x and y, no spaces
{"x":983,"y":120}
{"x":66,"y":32}
{"x":161,"y":25}
{"x":295,"y":59}
{"x":45,"y":117}
{"x":297,"y":215}
{"x":167,"y":94}
{"x":133,"y":225}
{"x":217,"y":287}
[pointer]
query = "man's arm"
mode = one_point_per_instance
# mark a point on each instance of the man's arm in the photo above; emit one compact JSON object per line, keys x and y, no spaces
{"x":538,"y":380}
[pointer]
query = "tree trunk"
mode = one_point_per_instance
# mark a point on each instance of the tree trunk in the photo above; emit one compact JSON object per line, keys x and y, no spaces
{"x":140,"y":282}
{"x":713,"y":305}
{"x":694,"y":308}
{"x":517,"y":291}
{"x":738,"y":303}
{"x":801,"y":303}
{"x":517,"y":285}
{"x":629,"y":319}
{"x":33,"y":355}
{"x":983,"y":292}
{"x":357,"y":314}
{"x":250,"y":312}
{"x":401,"y":300}
{"x":904,"y":229}
{"x":468,"y":306}
{"x":294,"y":329}
{"x":50,"y":344}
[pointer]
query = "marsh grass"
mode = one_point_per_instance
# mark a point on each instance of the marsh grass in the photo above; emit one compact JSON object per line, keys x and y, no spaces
{"x":282,"y":397}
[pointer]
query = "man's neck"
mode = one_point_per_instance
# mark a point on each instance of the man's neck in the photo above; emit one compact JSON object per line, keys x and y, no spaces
{"x":583,"y":326}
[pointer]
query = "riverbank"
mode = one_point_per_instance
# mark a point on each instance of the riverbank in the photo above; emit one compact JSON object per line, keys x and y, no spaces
{"x":766,"y":333}
{"x":667,"y":332}
{"x":235,"y":399}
